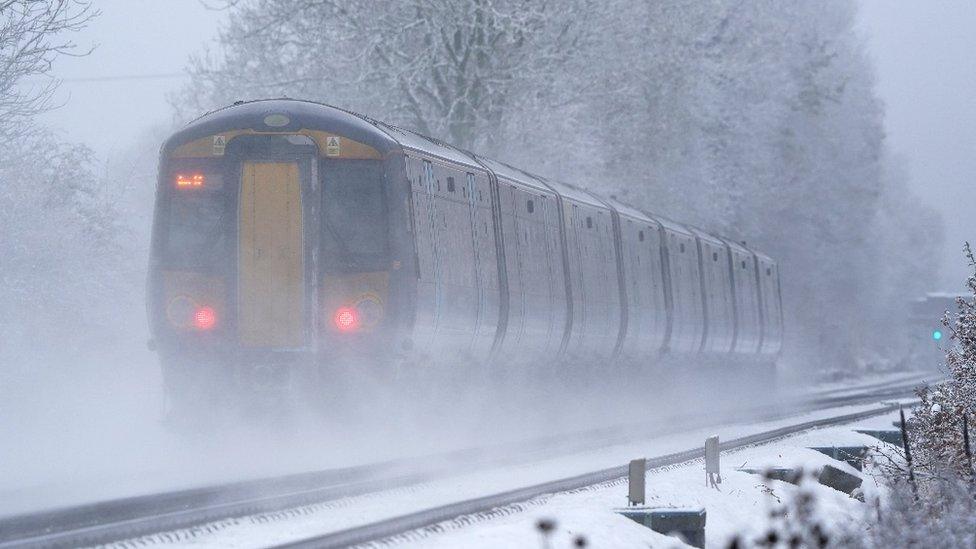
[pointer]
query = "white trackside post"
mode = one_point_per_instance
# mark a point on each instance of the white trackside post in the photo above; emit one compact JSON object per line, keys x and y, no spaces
{"x":635,"y":492}
{"x":713,"y":474}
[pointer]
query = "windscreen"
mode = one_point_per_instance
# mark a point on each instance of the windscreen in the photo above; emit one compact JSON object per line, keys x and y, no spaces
{"x":197,"y":219}
{"x":356,"y":236}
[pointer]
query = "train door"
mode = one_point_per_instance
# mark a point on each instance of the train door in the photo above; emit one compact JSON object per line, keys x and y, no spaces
{"x":271,"y":276}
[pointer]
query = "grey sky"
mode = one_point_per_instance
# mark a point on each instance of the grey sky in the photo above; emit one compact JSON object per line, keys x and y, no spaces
{"x":132,"y":37}
{"x":925,"y":54}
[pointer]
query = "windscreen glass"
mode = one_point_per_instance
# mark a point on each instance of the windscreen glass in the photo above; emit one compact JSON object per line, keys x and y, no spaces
{"x":197,"y":219}
{"x":356,"y":236}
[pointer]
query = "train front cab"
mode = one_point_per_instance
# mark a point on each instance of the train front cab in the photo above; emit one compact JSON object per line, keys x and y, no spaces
{"x":272,"y":256}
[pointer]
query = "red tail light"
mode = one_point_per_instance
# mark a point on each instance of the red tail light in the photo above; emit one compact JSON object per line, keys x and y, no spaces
{"x":204,"y":318}
{"x":346,"y":319}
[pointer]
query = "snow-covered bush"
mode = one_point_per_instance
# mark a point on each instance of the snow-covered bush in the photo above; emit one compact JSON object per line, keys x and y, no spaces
{"x":943,"y":516}
{"x":936,"y":430}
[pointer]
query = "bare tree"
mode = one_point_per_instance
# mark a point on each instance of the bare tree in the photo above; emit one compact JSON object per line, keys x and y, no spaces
{"x":31,"y":38}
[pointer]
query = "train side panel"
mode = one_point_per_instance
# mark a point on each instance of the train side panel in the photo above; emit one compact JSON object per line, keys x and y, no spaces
{"x":428,"y":279}
{"x":478,"y":194}
{"x":541,"y":333}
{"x":768,"y":275}
{"x":515,"y":253}
{"x":748,"y":323}
{"x":601,"y":283}
{"x":453,"y":286}
{"x":717,"y":284}
{"x":644,"y":278}
{"x":688,"y":314}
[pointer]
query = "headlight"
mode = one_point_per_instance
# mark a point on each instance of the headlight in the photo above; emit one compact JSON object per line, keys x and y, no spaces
{"x":180,"y":311}
{"x":370,"y":310}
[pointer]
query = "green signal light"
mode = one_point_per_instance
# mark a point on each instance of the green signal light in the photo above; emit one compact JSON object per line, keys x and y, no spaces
{"x":937,"y":335}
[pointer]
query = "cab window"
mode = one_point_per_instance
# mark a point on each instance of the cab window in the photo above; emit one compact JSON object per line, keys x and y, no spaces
{"x":356,"y":229}
{"x":197,"y":218}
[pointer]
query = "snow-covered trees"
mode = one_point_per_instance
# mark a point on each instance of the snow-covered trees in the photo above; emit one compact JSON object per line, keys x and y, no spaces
{"x":756,"y":119}
{"x":62,"y":266}
{"x":64,"y":270}
{"x":759,"y":119}
{"x":455,"y":69}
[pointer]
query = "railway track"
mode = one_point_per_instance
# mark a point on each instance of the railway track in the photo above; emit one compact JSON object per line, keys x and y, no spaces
{"x":115,"y":520}
{"x":426,"y":521}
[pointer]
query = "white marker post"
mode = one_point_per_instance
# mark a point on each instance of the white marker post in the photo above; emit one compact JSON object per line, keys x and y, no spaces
{"x":635,"y":492}
{"x":713,"y":474}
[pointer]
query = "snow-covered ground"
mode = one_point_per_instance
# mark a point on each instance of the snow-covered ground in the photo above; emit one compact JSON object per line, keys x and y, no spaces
{"x":91,"y":454}
{"x":740,"y":508}
{"x":741,"y":501}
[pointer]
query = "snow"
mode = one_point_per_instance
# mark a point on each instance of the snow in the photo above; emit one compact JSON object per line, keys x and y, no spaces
{"x":67,"y":464}
{"x":877,"y":380}
{"x":586,"y":511}
{"x":740,"y":507}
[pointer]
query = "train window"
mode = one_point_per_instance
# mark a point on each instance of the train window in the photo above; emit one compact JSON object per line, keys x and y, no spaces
{"x":529,"y":206}
{"x":769,"y":271}
{"x":714,"y":256}
{"x":429,"y":175}
{"x":355,"y":234}
{"x":450,"y":185}
{"x":197,"y":222}
{"x":472,"y":186}
{"x":682,"y":247}
{"x":640,"y":235}
{"x":589,"y":222}
{"x":743,"y":263}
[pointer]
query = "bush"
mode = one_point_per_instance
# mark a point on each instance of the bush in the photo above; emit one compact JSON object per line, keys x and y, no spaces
{"x":938,"y":441}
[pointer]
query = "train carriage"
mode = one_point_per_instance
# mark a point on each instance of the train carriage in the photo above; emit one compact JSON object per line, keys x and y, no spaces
{"x":292,"y":238}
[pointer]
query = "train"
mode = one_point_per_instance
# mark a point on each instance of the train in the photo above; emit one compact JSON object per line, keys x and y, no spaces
{"x":292,"y":238}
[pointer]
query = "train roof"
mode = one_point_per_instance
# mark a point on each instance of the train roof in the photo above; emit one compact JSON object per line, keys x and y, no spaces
{"x":631,"y":212}
{"x":739,"y":247}
{"x":576,"y":194}
{"x":300,"y":115}
{"x":513,"y":174}
{"x":671,"y":225}
{"x":409,"y":139}
{"x":702,"y":235}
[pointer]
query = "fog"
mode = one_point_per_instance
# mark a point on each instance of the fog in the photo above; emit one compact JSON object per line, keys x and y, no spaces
{"x":839,"y":138}
{"x":923,"y":58}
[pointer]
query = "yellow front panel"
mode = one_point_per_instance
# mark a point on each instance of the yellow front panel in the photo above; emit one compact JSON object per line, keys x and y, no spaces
{"x":272,"y":283}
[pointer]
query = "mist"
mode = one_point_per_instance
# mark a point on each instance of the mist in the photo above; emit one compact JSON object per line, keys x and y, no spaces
{"x":768,"y":123}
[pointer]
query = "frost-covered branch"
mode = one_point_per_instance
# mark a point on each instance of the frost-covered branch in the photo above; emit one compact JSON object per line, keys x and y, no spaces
{"x":32,"y":36}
